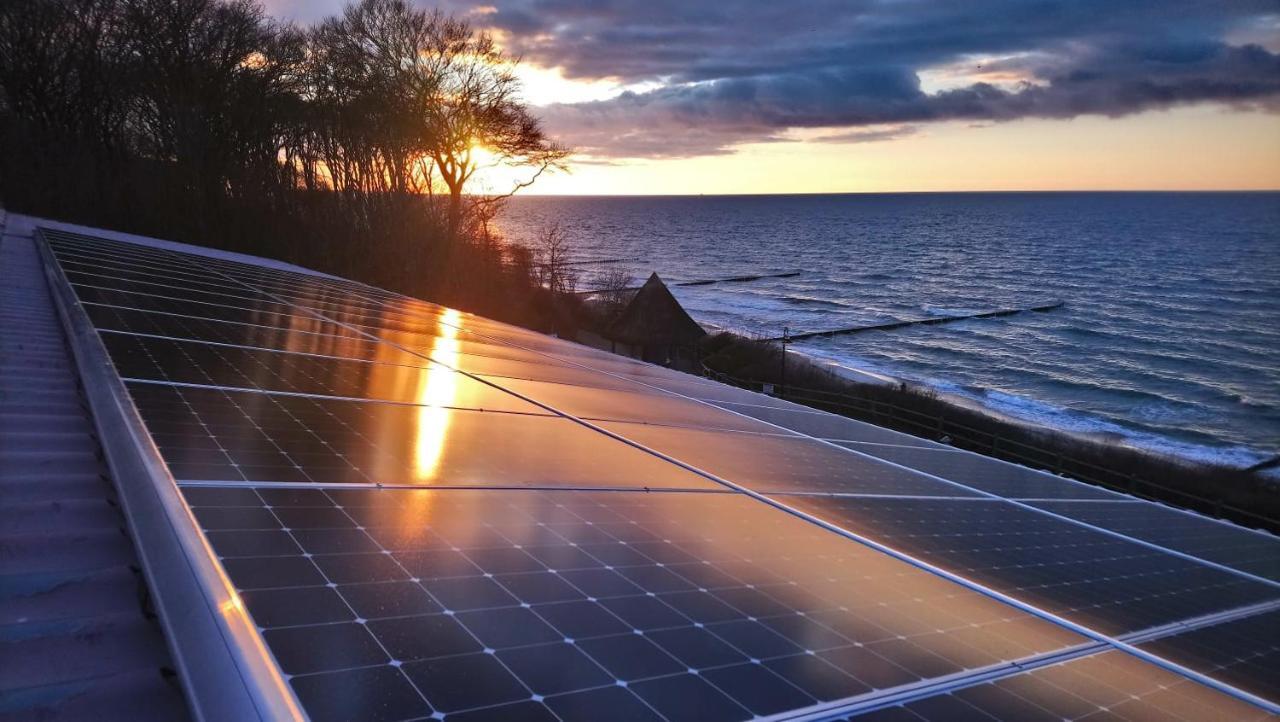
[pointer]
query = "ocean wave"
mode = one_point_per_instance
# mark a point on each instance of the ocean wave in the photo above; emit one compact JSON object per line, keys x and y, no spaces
{"x":1167,"y":339}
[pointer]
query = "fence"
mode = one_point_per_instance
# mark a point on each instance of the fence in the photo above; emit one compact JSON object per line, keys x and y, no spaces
{"x":938,"y":427}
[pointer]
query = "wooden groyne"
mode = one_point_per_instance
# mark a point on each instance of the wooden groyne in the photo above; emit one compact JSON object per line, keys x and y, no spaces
{"x":917,"y":322}
{"x":702,"y":282}
{"x":601,"y":261}
{"x":738,"y":279}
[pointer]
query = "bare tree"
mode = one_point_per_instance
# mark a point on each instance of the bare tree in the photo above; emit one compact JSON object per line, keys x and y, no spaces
{"x":553,"y":253}
{"x":477,"y":110}
{"x":616,"y":286}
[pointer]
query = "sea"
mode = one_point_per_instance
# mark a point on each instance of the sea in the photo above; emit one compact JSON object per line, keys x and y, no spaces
{"x":1168,"y":338}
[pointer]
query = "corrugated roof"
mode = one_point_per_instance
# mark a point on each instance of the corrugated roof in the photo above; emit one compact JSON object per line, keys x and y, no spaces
{"x":76,"y":641}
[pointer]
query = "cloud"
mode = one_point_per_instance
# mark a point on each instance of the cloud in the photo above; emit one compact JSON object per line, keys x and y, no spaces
{"x":868,"y":135}
{"x":737,"y":71}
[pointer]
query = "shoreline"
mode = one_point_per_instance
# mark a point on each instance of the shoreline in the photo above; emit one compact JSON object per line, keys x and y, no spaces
{"x":1249,"y":498}
{"x":1238,"y":457}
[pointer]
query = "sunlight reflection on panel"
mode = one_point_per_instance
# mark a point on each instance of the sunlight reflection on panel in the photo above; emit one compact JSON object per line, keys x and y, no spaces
{"x":437,"y":391}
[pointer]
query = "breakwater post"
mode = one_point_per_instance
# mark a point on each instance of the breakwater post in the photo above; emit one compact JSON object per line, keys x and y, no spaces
{"x":922,"y":322}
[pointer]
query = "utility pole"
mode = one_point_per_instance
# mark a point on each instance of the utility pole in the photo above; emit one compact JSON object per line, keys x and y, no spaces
{"x":782,"y":382}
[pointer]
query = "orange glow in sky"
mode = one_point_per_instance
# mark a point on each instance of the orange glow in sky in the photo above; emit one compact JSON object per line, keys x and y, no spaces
{"x":1192,"y":148}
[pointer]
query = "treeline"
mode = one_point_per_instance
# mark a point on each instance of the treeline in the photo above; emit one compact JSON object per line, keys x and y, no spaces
{"x":348,"y":146}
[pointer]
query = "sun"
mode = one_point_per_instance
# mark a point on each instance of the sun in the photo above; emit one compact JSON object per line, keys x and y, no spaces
{"x":494,"y":175}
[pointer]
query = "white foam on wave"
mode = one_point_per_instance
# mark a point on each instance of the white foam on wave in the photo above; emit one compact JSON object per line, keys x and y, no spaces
{"x":1044,"y":414}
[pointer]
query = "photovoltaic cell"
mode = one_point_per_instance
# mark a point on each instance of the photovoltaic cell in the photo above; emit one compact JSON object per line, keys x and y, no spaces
{"x":710,"y":606}
{"x":1107,"y":583}
{"x":1249,"y":551}
{"x":988,"y":474}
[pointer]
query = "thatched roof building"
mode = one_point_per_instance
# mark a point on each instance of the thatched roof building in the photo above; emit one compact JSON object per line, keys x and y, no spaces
{"x":655,"y":318}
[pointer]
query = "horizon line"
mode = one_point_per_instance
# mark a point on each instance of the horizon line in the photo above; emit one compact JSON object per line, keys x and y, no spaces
{"x":1057,"y":191}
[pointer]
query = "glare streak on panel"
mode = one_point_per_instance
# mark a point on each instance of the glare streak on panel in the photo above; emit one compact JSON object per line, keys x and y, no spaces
{"x":617,"y":405}
{"x":205,"y":364}
{"x":215,"y":435}
{"x":767,"y":463}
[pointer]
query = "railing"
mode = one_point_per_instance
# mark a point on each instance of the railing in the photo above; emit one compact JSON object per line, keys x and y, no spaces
{"x":937,"y":427}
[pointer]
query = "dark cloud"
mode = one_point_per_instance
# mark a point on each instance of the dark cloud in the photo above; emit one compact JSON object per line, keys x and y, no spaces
{"x":733,"y":71}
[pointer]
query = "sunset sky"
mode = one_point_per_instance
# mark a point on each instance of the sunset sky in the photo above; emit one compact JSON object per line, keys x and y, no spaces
{"x":762,"y":96}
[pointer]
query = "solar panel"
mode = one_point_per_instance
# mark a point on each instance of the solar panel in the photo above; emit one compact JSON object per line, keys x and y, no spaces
{"x":829,"y":426}
{"x":1111,"y":584}
{"x":1108,"y":686}
{"x":768,"y":463}
{"x":1244,"y":652}
{"x":988,"y":474}
{"x":520,"y":538}
{"x":674,"y":600}
{"x":217,"y":435}
{"x":1249,"y":551}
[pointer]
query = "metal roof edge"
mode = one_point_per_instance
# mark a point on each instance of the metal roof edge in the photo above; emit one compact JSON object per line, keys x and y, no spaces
{"x":32,"y":223}
{"x":223,"y":662}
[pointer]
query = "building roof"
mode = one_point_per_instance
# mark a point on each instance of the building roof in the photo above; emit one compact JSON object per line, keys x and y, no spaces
{"x":655,"y":318}
{"x":78,"y":639}
{"x":352,"y":503}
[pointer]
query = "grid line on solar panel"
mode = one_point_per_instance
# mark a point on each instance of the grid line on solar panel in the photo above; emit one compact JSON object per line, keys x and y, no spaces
{"x":723,"y":467}
{"x":932,"y":687}
{"x":201,"y":364}
{"x":397,"y":378}
{"x":644,"y":595}
{"x":202,"y":435}
{"x":549,"y":406}
{"x":1248,"y":550}
{"x":1106,"y":686}
{"x":768,"y":463}
{"x":1103,"y":582}
{"x":527,"y":335}
{"x":197,"y":275}
{"x":986,"y":473}
{"x":142,"y":249}
{"x":348,"y":348}
{"x":111,"y":283}
{"x":106,"y":316}
{"x":269,"y":307}
{"x":1243,"y":652}
{"x":196,"y":290}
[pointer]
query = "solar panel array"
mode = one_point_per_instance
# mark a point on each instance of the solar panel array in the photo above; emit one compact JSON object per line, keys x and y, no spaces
{"x":433,"y":515}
